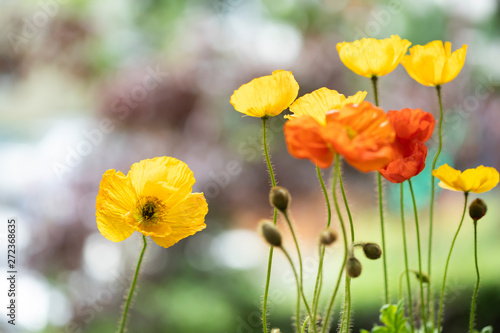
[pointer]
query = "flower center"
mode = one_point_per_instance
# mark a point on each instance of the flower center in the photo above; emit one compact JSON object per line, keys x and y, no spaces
{"x":351,"y":133}
{"x":149,"y":210}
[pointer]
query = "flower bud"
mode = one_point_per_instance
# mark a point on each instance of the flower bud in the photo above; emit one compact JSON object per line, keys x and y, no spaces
{"x":353,"y":267}
{"x":279,"y":197}
{"x":275,"y":330}
{"x":328,"y":236}
{"x":424,"y":278}
{"x":270,"y":233}
{"x":477,"y":209}
{"x":372,"y":251}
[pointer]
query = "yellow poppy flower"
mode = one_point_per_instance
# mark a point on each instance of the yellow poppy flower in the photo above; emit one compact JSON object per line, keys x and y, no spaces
{"x":319,"y":102}
{"x":478,"y":180}
{"x":154,"y":198}
{"x":267,"y":95}
{"x":373,"y":57}
{"x":434,"y":64}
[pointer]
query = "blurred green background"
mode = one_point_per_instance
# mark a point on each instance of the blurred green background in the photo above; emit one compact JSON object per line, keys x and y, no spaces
{"x":89,"y":85}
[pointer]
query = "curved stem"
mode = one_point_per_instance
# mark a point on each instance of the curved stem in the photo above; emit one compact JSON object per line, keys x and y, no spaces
{"x":132,"y":287}
{"x":325,"y":193}
{"x":301,"y":283}
{"x":344,"y":234}
{"x":448,"y":262}
{"x":322,"y":248}
{"x":474,"y":296}
{"x":305,"y":324}
{"x":347,"y":278}
{"x":300,"y":291}
{"x":430,"y":299}
{"x":410,"y":303}
{"x":384,"y":258}
{"x":275,"y":215}
{"x":419,"y":257}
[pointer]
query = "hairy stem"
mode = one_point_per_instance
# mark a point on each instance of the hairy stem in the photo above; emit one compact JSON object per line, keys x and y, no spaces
{"x":132,"y":287}
{"x":443,"y":285}
{"x":275,"y":215}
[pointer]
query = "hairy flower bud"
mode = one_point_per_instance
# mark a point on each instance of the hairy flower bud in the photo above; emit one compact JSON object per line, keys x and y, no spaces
{"x":353,"y":267}
{"x":275,"y":330}
{"x":270,"y":233}
{"x":372,"y":251}
{"x":279,"y":197}
{"x":477,"y":209}
{"x":328,"y":236}
{"x":424,"y":278}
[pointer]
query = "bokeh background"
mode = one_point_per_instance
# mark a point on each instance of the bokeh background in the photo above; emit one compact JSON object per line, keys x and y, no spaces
{"x":90,"y":85}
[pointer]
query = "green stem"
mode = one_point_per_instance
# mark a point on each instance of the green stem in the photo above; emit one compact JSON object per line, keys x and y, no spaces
{"x":441,"y":301}
{"x":132,"y":287}
{"x":344,"y":233}
{"x":430,"y":298}
{"x":410,"y":303}
{"x":473,"y":305}
{"x":322,"y":249}
{"x":275,"y":215}
{"x":375,"y":90}
{"x":422,"y":302}
{"x":300,"y":290}
{"x":268,"y":160}
{"x":374,"y":80}
{"x":384,"y":257}
{"x":301,"y":284}
{"x":305,"y":324}
{"x":347,"y":278}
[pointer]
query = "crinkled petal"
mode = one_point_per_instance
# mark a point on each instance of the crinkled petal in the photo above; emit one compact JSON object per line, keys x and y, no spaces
{"x":185,"y":219}
{"x":373,"y":57}
{"x":448,"y":177}
{"x":320,"y":101}
{"x":434,"y":64}
{"x":169,"y":170}
{"x":304,"y":140}
{"x":266,"y":95}
{"x":116,"y":198}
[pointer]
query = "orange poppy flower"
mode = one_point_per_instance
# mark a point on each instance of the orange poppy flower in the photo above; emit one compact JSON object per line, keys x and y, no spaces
{"x":409,"y":161}
{"x":413,"y":128}
{"x":412,"y":124}
{"x":304,"y":139}
{"x":362,"y":134}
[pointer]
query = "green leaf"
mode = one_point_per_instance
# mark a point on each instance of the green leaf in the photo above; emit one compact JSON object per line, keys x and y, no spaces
{"x":394,"y":319}
{"x":487,"y":329}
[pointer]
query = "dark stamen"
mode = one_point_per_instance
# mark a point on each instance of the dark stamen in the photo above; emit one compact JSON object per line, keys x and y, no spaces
{"x":148,"y":210}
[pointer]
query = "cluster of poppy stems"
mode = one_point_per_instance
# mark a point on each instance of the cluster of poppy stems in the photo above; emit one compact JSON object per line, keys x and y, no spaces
{"x":324,"y":126}
{"x":155,"y":197}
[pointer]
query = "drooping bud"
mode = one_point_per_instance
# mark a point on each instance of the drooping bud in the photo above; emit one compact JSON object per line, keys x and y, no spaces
{"x":424,"y":278}
{"x":353,"y":267}
{"x":328,"y":236}
{"x":477,"y":209}
{"x":372,"y":251}
{"x":279,"y":197}
{"x":271,"y":234}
